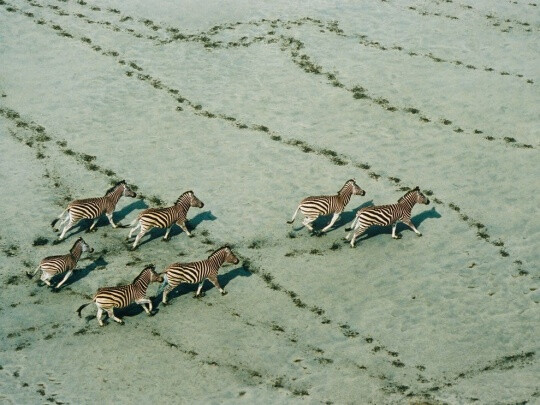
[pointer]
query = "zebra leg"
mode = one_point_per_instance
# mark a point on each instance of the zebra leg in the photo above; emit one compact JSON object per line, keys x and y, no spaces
{"x":99,"y":314}
{"x":394,"y":226}
{"x":111,"y":314}
{"x":307,"y":221}
{"x":409,"y":223}
{"x":166,"y":292}
{"x":62,"y":222}
{"x":67,"y":228}
{"x":69,"y":273}
{"x":198,"y":294}
{"x":93,"y":225}
{"x":184,"y":228}
{"x":143,"y":301}
{"x":110,"y":218}
{"x":139,"y":236}
{"x":166,"y":237}
{"x":332,"y":221}
{"x":215,"y":281}
{"x":351,"y":227}
{"x":357,"y":233}
{"x":133,"y":230}
{"x":45,"y":278}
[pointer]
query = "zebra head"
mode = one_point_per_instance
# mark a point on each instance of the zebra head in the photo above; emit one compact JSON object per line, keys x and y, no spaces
{"x":85,"y":246}
{"x":127,"y":191}
{"x":229,"y":256}
{"x":356,"y":190}
{"x":195,"y":202}
{"x":420,"y":198}
{"x":81,"y":244}
{"x":154,"y":277}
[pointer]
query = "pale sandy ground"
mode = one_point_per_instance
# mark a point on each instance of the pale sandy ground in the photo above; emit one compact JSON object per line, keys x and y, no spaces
{"x":451,"y":317}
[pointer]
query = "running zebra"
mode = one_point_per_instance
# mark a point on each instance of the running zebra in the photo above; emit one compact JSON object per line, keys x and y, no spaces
{"x":108,"y":298}
{"x":313,"y":207}
{"x":387,"y":215}
{"x":93,"y":208}
{"x":197,"y":272}
{"x":165,"y":217}
{"x":53,"y":265}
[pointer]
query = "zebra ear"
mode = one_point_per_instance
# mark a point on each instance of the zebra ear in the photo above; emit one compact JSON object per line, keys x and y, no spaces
{"x":417,"y":188}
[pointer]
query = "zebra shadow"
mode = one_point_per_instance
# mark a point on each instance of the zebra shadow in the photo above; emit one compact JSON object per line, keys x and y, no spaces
{"x":183,"y":289}
{"x":345,"y":218}
{"x":417,"y":220}
{"x":128,"y":209}
{"x":191,"y":224}
{"x":81,"y":273}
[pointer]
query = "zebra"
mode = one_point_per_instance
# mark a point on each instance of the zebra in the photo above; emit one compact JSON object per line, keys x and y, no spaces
{"x":165,"y":217}
{"x":53,"y":265}
{"x":313,"y":207}
{"x":93,"y":208}
{"x":197,"y":272}
{"x":387,"y":215}
{"x":108,"y":298}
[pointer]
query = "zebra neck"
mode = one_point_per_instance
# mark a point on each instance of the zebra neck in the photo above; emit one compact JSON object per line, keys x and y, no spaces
{"x":115,"y":195}
{"x":217,"y":258}
{"x":407,"y":204}
{"x":76,"y":252}
{"x":182,"y":206}
{"x":142,"y":283}
{"x":345,"y":195}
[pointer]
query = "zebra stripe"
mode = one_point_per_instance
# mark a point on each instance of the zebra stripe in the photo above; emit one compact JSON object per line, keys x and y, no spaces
{"x":108,"y":298}
{"x":53,"y":265}
{"x":165,"y":217}
{"x":313,"y":207}
{"x":197,"y":272}
{"x":384,"y":215}
{"x":93,"y":208}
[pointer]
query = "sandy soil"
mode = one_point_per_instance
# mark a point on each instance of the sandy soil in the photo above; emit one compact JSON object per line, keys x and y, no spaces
{"x":254,"y":106}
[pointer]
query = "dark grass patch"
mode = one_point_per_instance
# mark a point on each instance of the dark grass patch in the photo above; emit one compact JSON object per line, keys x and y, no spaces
{"x":156,"y":200}
{"x":40,"y":241}
{"x":336,"y":246}
{"x":256,"y":244}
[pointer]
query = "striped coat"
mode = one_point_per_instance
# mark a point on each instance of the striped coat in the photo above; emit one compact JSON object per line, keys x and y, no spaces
{"x":313,"y":207}
{"x":108,"y":298}
{"x":165,"y":217}
{"x":53,"y":265}
{"x":93,"y":208}
{"x":384,"y":215}
{"x":197,"y":272}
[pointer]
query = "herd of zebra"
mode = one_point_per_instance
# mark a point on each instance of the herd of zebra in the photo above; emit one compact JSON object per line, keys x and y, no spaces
{"x":108,"y":298}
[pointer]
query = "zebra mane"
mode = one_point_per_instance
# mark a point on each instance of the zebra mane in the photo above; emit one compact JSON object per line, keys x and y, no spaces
{"x":217,"y":250}
{"x":408,"y":193}
{"x":141,"y":273}
{"x":180,"y":198}
{"x":345,"y":185}
{"x":79,"y":240}
{"x":114,"y":187}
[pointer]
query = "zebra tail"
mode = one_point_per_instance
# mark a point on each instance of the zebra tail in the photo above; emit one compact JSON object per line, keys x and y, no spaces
{"x":294,"y":216}
{"x":82,"y":306}
{"x":57,"y":219}
{"x":30,"y":275}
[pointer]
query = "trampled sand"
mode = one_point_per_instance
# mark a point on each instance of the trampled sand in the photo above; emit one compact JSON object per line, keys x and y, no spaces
{"x":254,"y":106}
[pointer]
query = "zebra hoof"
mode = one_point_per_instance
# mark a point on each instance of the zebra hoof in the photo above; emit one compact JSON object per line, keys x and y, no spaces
{"x":166,"y":239}
{"x":418,"y":234}
{"x":55,"y":290}
{"x":191,"y":235}
{"x":224,"y":293}
{"x":348,"y":229}
{"x":56,"y":241}
{"x":199,"y":296}
{"x":133,"y":248}
{"x":164,"y":303}
{"x":396,"y":237}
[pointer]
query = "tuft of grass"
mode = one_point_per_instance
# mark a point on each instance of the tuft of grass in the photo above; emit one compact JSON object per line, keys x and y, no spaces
{"x":40,"y":241}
